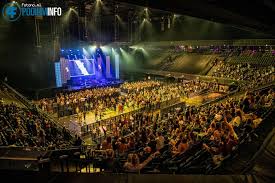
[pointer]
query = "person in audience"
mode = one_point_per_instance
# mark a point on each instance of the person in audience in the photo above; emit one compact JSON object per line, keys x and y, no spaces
{"x":107,"y":144}
{"x":182,"y":146}
{"x":237,"y":120}
{"x":133,"y":164}
{"x":159,"y":141}
{"x":122,"y":146}
{"x":78,"y":141}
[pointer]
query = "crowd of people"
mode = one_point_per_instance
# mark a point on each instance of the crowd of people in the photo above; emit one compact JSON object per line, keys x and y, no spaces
{"x":21,"y":126}
{"x":135,"y":95}
{"x":79,"y":101}
{"x":217,"y":128}
{"x":137,"y":86}
{"x":252,"y":76}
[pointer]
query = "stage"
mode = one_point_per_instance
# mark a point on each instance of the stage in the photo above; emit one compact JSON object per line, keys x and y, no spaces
{"x":87,"y":67}
{"x":93,"y":83}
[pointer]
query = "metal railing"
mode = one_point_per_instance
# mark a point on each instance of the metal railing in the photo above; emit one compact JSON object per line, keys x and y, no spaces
{"x":237,"y":42}
{"x":87,"y":129}
{"x":180,"y":75}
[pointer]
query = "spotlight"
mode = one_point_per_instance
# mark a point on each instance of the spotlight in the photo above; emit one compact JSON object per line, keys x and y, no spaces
{"x":145,"y":9}
{"x":71,"y":9}
{"x":176,"y":16}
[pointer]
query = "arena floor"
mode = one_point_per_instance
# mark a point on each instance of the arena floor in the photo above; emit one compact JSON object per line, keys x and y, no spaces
{"x":73,"y":123}
{"x":199,"y":99}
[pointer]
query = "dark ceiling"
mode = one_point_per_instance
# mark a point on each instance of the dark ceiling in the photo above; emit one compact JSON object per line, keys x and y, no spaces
{"x":254,"y":15}
{"x":250,"y":15}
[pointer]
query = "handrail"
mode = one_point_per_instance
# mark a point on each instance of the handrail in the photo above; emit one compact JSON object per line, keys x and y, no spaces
{"x":169,"y":106}
{"x":184,"y":75}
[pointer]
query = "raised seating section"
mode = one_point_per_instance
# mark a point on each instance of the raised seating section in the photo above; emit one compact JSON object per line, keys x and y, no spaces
{"x":248,"y":74}
{"x":157,"y":58}
{"x":26,"y":127}
{"x":191,"y":63}
{"x":23,"y":125}
{"x":258,"y":61}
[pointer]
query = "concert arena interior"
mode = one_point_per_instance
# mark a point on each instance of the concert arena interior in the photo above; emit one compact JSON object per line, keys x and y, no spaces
{"x":135,"y":91}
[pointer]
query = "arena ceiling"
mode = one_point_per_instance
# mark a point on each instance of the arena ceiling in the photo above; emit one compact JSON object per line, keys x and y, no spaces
{"x":255,"y":15}
{"x":251,"y":15}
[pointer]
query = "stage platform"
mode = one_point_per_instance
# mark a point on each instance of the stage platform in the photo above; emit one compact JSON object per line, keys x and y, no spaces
{"x":94,"y":84}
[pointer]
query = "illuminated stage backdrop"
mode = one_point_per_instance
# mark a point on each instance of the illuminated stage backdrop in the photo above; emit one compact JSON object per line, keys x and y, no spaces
{"x":85,"y":67}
